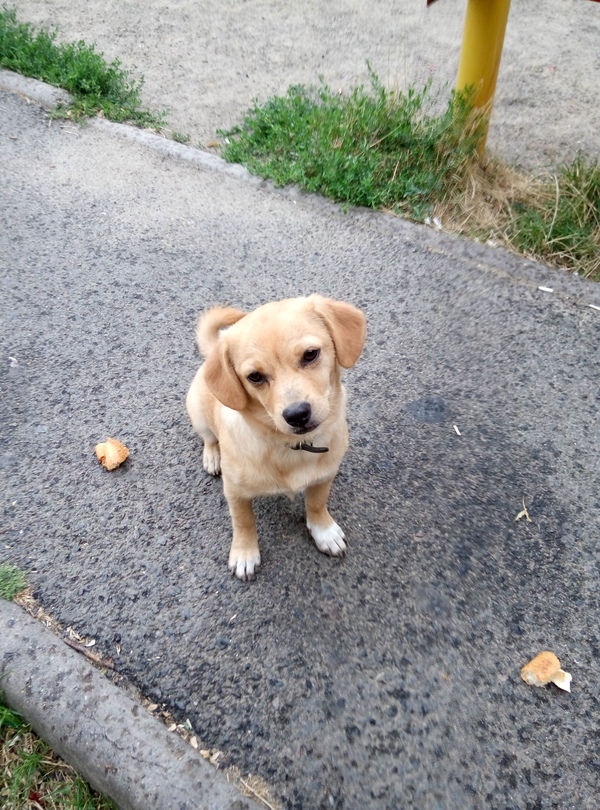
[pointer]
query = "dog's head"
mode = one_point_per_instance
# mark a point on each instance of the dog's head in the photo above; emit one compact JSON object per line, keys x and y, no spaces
{"x":282,"y":363}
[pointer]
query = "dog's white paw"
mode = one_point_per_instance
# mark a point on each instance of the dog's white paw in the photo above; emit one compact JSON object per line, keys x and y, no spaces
{"x":211,"y":458}
{"x":244,"y":564}
{"x":330,"y":540}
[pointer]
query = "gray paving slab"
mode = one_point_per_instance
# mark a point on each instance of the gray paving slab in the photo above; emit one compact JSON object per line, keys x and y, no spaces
{"x":386,"y":680}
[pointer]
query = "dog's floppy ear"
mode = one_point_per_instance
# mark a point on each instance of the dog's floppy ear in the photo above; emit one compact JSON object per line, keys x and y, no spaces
{"x":347,"y":326}
{"x":222,"y":380}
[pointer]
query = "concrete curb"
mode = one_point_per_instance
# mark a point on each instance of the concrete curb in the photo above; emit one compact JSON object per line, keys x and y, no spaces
{"x":498,"y":261}
{"x":45,"y":94}
{"x":118,"y":747}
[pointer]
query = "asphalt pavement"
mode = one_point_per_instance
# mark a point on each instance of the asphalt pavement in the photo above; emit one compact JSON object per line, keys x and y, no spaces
{"x":386,"y":680}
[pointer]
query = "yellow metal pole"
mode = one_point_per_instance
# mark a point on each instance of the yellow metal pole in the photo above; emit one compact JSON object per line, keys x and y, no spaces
{"x":483,"y":38}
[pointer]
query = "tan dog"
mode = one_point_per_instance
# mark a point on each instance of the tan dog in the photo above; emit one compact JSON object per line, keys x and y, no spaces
{"x":271,"y":408}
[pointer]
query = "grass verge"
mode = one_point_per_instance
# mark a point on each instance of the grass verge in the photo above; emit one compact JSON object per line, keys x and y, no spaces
{"x":413,"y":155}
{"x":97,"y":87}
{"x":562,"y":226}
{"x":373,"y":148}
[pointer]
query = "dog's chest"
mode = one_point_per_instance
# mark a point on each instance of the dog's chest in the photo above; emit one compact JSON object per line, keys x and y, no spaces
{"x":258,"y":466}
{"x":288,"y":471}
{"x":277,"y":470}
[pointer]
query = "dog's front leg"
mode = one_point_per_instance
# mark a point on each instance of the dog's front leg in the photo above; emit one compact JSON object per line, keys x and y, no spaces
{"x":324,"y":530}
{"x":244,"y":557}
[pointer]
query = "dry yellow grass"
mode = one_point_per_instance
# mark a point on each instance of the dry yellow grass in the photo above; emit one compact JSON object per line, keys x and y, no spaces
{"x":482,"y":205}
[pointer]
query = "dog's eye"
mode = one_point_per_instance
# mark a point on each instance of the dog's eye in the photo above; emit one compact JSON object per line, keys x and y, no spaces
{"x":256,"y":377}
{"x":310,"y":355}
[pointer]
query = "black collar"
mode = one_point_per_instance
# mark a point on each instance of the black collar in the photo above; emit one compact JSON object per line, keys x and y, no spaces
{"x":309,"y":448}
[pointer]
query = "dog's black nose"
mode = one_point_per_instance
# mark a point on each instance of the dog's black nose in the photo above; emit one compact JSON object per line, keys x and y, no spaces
{"x":298,"y":415}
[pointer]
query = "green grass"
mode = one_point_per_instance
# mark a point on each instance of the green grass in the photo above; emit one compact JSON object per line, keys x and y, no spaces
{"x":562,"y":226}
{"x":32,"y":776}
{"x":373,"y":147}
{"x":12,"y":581}
{"x":96,"y":86}
{"x":180,"y":137}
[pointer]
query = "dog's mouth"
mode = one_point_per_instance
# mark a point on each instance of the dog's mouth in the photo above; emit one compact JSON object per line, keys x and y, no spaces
{"x":301,"y":431}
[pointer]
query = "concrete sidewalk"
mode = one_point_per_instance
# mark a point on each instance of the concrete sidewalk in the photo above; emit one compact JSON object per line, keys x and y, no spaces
{"x":388,"y":679}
